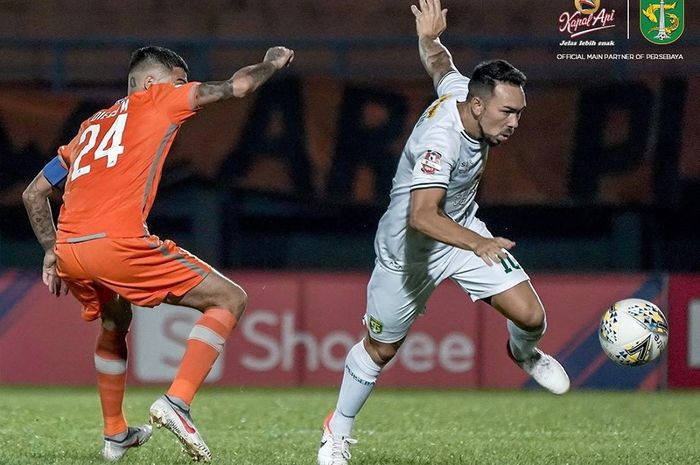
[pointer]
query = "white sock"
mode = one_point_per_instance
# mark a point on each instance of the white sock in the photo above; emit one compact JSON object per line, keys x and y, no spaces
{"x":360,"y":374}
{"x":523,"y":342}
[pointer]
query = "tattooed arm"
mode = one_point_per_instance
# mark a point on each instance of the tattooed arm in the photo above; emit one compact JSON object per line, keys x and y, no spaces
{"x":431,"y":21}
{"x":245,"y":80}
{"x":36,"y":201}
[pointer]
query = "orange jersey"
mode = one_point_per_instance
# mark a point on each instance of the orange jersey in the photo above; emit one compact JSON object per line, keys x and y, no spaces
{"x":115,"y":163}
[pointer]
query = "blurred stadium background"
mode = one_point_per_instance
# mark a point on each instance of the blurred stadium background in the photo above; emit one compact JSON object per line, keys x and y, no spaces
{"x":599,"y":187}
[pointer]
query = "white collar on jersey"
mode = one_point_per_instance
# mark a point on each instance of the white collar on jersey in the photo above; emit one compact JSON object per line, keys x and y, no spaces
{"x":468,"y":137}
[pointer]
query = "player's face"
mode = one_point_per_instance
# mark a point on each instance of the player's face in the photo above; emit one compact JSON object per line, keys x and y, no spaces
{"x":499,"y":113}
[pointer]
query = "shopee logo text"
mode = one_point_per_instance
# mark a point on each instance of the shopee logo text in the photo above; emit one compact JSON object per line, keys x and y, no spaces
{"x":275,"y":343}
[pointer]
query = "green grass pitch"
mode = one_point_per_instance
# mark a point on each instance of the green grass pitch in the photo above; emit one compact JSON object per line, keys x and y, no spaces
{"x":245,"y":426}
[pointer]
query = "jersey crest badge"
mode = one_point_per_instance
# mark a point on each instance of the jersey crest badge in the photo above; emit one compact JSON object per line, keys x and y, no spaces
{"x":431,"y":162}
{"x":375,"y":325}
{"x":662,"y":22}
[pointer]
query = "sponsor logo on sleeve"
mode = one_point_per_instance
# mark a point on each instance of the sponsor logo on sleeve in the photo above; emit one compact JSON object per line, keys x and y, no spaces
{"x":430,"y":162}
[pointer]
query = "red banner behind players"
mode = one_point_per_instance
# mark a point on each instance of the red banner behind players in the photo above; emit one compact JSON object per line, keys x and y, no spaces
{"x":684,"y":330}
{"x":299,"y":326}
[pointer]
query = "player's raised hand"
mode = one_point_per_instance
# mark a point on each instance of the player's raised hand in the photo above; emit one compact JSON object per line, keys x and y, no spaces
{"x":49,"y":276}
{"x":492,"y":250}
{"x":431,"y":19}
{"x":279,"y":56}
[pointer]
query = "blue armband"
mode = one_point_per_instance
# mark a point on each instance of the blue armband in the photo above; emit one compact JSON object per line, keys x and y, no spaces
{"x":55,"y":173}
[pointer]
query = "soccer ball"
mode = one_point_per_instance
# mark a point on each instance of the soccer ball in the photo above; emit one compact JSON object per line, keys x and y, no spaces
{"x":633,"y":332}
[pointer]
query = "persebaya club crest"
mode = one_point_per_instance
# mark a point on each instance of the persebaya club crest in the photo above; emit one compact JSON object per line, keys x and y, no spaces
{"x":662,"y":21}
{"x":375,"y":325}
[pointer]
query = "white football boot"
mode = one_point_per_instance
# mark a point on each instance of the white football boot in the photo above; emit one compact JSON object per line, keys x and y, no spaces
{"x":545,"y":370}
{"x":135,"y":436}
{"x":334,"y":450}
{"x":165,"y":413}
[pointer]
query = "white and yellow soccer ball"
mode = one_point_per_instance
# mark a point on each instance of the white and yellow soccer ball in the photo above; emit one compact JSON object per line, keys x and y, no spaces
{"x":633,"y":332}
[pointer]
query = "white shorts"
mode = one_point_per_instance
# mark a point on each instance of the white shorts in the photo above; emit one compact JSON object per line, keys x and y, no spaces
{"x":395,"y":299}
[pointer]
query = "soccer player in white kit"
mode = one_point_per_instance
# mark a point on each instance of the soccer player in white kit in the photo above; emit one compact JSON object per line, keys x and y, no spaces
{"x":430,"y":232}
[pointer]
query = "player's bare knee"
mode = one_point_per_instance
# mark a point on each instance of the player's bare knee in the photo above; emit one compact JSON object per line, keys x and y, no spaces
{"x":381,"y":352}
{"x":242,"y":301}
{"x":385,"y":353}
{"x":116,"y":315}
{"x":237,"y":301}
{"x":532,"y":319}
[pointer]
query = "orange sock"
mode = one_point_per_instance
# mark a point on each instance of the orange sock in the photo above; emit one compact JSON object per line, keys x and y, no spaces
{"x":110,"y":363}
{"x":205,"y":343}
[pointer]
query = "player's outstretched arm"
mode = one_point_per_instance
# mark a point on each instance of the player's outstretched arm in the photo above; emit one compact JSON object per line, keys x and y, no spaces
{"x":36,"y":201}
{"x":431,"y":21}
{"x":245,"y":80}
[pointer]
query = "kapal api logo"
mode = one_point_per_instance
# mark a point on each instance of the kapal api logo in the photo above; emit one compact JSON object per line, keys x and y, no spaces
{"x":588,"y":17}
{"x":587,"y":7}
{"x":662,"y":22}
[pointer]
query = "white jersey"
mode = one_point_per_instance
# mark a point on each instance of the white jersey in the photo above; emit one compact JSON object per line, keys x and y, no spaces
{"x":438,"y":153}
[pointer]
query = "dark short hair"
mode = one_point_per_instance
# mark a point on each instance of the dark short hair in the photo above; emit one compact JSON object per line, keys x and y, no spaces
{"x":488,"y":73}
{"x":157,"y":55}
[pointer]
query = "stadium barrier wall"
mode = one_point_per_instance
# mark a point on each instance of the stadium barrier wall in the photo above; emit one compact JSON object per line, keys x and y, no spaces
{"x":298,"y":327}
{"x":684,"y":323}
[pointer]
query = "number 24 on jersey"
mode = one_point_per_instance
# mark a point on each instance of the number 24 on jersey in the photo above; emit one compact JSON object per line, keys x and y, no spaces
{"x":110,"y":146}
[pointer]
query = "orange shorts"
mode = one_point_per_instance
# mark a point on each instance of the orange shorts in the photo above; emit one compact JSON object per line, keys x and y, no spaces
{"x":143,"y":270}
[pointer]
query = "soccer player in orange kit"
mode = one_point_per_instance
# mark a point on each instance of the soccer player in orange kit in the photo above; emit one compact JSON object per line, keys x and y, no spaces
{"x":104,"y":253}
